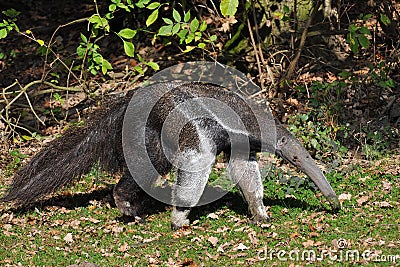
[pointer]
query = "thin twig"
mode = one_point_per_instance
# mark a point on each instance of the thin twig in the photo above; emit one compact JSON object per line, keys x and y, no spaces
{"x":253,"y":43}
{"x":293,"y":64}
{"x":56,"y":88}
{"x":24,"y":91}
{"x":50,"y":50}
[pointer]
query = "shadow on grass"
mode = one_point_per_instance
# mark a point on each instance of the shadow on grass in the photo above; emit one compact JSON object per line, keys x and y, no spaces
{"x":233,"y":201}
{"x":69,"y":201}
{"x":236,"y":203}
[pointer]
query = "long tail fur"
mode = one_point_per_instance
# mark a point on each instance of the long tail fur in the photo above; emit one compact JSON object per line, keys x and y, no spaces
{"x":72,"y":155}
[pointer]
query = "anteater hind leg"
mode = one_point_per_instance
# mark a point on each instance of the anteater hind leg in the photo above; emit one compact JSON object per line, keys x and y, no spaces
{"x":245,"y":172}
{"x":129,"y":197}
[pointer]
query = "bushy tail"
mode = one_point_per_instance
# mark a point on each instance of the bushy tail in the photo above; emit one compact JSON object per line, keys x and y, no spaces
{"x":72,"y":155}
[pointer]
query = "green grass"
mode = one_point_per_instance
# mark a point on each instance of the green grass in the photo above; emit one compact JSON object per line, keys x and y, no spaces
{"x":90,"y":229}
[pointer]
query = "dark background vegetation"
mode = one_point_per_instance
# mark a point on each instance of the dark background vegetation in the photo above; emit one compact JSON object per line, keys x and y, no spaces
{"x":348,"y":97}
{"x":332,"y":78}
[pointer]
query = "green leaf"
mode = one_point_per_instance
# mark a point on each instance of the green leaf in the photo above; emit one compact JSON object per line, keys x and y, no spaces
{"x":15,"y":27}
{"x":3,"y":33}
{"x":353,"y":28}
{"x":390,"y":83}
{"x":176,"y":15}
{"x":123,"y":6}
{"x":129,"y":49}
{"x":112,"y":7}
{"x":182,"y":34}
{"x":315,"y":143}
{"x":12,"y":13}
{"x":189,"y":38}
{"x":194,"y":25}
{"x":142,"y":3}
{"x":139,"y":69}
{"x":95,"y":19}
{"x":127,"y":33}
{"x":345,"y":74}
{"x":98,"y":59}
{"x":14,"y":153}
{"x":186,"y":18}
{"x":354,"y":47}
{"x":105,"y":66}
{"x":99,"y":22}
{"x":365,"y":30}
{"x":165,"y":30}
{"x":229,"y":7}
{"x":278,"y":14}
{"x":197,"y":36}
{"x":153,"y":65}
{"x":153,"y":5}
{"x":40,"y":42}
{"x":83,"y":37}
{"x":364,"y":42}
{"x":385,"y":20}
{"x":203,"y":26}
{"x":213,"y":38}
{"x":27,"y":137}
{"x":168,"y":21}
{"x":286,"y":9}
{"x":176,"y":28}
{"x":367,"y":17}
{"x":188,"y":49}
{"x":152,"y":18}
{"x":201,"y":45}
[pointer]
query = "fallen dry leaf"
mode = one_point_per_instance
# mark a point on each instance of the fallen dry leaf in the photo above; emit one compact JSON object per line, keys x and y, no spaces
{"x":124,"y":247}
{"x":295,"y":234}
{"x":313,"y":234}
{"x":213,"y":240}
{"x":214,"y":257}
{"x":343,"y":197}
{"x":362,"y":200}
{"x":226,"y":25}
{"x":222,"y":247}
{"x":84,"y":264}
{"x":253,"y":237}
{"x":212,"y":216}
{"x":312,"y":228}
{"x":383,"y":204}
{"x":387,"y":186}
{"x":68,"y":238}
{"x":189,"y":262}
{"x":240,"y":247}
{"x":308,"y":243}
{"x":75,"y":224}
{"x":318,"y":243}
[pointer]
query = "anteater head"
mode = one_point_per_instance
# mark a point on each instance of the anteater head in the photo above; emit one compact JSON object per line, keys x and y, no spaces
{"x":289,"y":148}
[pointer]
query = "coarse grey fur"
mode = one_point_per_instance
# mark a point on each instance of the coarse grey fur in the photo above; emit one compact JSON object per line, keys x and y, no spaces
{"x":74,"y":154}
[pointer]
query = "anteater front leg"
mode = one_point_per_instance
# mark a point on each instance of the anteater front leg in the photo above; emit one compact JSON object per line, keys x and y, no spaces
{"x":191,"y":180}
{"x":245,"y":172}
